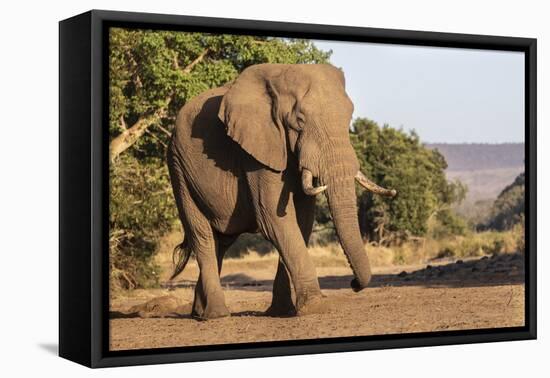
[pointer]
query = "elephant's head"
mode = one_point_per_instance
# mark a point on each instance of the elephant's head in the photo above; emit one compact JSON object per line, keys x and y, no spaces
{"x":274,"y":110}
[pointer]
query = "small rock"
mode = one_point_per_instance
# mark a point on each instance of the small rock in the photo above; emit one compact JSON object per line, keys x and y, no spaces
{"x":517,"y":264}
{"x":484,"y":258}
{"x":251,"y":284}
{"x":451,"y":268}
{"x":481,"y":265}
{"x":429,"y":267}
{"x":459,"y":262}
{"x":402,"y":274}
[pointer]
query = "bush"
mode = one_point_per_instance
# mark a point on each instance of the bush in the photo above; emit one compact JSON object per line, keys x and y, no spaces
{"x":398,"y":160}
{"x":141,"y":210}
{"x":447,"y":223}
{"x":509,"y":208}
{"x":250,"y":243}
{"x":518,"y":232}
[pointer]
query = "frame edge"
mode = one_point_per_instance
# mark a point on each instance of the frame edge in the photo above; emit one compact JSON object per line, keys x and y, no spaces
{"x":74,"y":194}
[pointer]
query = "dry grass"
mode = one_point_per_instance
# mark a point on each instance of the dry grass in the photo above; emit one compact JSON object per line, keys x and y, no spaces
{"x":418,"y":251}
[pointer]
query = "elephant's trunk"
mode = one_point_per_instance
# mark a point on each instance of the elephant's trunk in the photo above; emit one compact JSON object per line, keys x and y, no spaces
{"x":343,"y":206}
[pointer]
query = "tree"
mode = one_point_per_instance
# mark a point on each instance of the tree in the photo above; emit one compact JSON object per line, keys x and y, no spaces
{"x":509,"y":208}
{"x":152,"y":74}
{"x":395,"y":159}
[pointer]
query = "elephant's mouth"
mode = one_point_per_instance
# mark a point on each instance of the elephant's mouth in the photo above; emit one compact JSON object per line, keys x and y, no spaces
{"x":343,"y":206}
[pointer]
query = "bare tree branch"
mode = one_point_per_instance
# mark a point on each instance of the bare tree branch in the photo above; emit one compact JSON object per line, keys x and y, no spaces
{"x":123,"y":124}
{"x":187,"y":69}
{"x":131,"y":134}
{"x":156,"y":138}
{"x":175,"y":61}
{"x":163,"y":130}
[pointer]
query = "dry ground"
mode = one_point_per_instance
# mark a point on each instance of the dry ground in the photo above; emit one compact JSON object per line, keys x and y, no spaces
{"x":446,"y":295}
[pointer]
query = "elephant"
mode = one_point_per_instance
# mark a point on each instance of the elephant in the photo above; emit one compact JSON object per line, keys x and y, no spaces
{"x":250,"y":157}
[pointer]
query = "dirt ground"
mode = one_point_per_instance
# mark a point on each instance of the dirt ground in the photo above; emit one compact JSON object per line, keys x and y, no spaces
{"x":446,"y":295}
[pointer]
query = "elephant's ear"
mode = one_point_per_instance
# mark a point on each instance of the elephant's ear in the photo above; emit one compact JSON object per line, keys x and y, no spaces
{"x":249,"y":111}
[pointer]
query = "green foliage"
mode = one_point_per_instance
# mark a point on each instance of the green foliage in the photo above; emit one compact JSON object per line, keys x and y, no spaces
{"x":509,"y":208}
{"x":395,"y":159}
{"x":518,"y":230}
{"x":249,"y":242}
{"x":152,"y":74}
{"x":448,"y":223}
{"x":423,"y":206}
{"x":162,"y":70}
{"x":140,"y":211}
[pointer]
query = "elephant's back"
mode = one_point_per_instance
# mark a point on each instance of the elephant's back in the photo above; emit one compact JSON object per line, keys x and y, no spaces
{"x":210,"y":159}
{"x":200,"y":114}
{"x":201,"y":136}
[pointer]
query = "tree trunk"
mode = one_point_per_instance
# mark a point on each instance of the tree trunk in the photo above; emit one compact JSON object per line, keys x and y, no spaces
{"x":129,"y":136}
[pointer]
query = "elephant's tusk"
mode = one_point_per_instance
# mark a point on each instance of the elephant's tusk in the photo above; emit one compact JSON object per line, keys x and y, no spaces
{"x":371,"y":186}
{"x":307,"y":184}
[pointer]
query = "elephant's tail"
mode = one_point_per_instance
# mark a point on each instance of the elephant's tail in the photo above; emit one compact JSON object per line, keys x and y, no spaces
{"x":180,"y":257}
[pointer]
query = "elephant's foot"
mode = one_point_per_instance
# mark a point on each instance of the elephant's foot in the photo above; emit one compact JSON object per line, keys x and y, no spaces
{"x":215,"y":307}
{"x":215,"y":312}
{"x":211,"y":312}
{"x":281,"y":309}
{"x":311,"y":304}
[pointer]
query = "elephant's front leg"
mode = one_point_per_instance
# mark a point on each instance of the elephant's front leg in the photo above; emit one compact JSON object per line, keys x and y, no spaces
{"x":276,"y":217}
{"x":281,"y":303}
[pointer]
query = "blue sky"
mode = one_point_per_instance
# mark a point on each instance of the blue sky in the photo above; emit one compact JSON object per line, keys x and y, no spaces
{"x":446,"y":94}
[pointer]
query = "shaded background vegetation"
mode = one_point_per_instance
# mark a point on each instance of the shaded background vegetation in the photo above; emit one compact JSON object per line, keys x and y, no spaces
{"x":154,"y":73}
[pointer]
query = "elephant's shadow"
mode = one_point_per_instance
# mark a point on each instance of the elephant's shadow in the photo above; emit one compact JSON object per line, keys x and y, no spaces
{"x":457,"y":274}
{"x":499,"y":270}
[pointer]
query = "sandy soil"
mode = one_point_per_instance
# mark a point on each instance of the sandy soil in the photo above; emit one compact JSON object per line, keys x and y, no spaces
{"x":447,"y":295}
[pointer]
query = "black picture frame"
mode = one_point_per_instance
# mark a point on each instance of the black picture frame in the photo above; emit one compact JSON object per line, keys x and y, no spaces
{"x":84,"y":191}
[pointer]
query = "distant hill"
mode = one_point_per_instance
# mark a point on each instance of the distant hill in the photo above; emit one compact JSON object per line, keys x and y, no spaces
{"x":480,"y":156}
{"x":485,"y":168}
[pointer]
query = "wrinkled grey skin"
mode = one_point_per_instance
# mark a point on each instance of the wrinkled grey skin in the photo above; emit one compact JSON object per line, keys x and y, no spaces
{"x":250,"y":157}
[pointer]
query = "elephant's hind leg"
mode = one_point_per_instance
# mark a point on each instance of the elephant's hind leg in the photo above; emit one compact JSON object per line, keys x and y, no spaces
{"x":209,"y":299}
{"x":223,"y":242}
{"x":209,"y":302}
